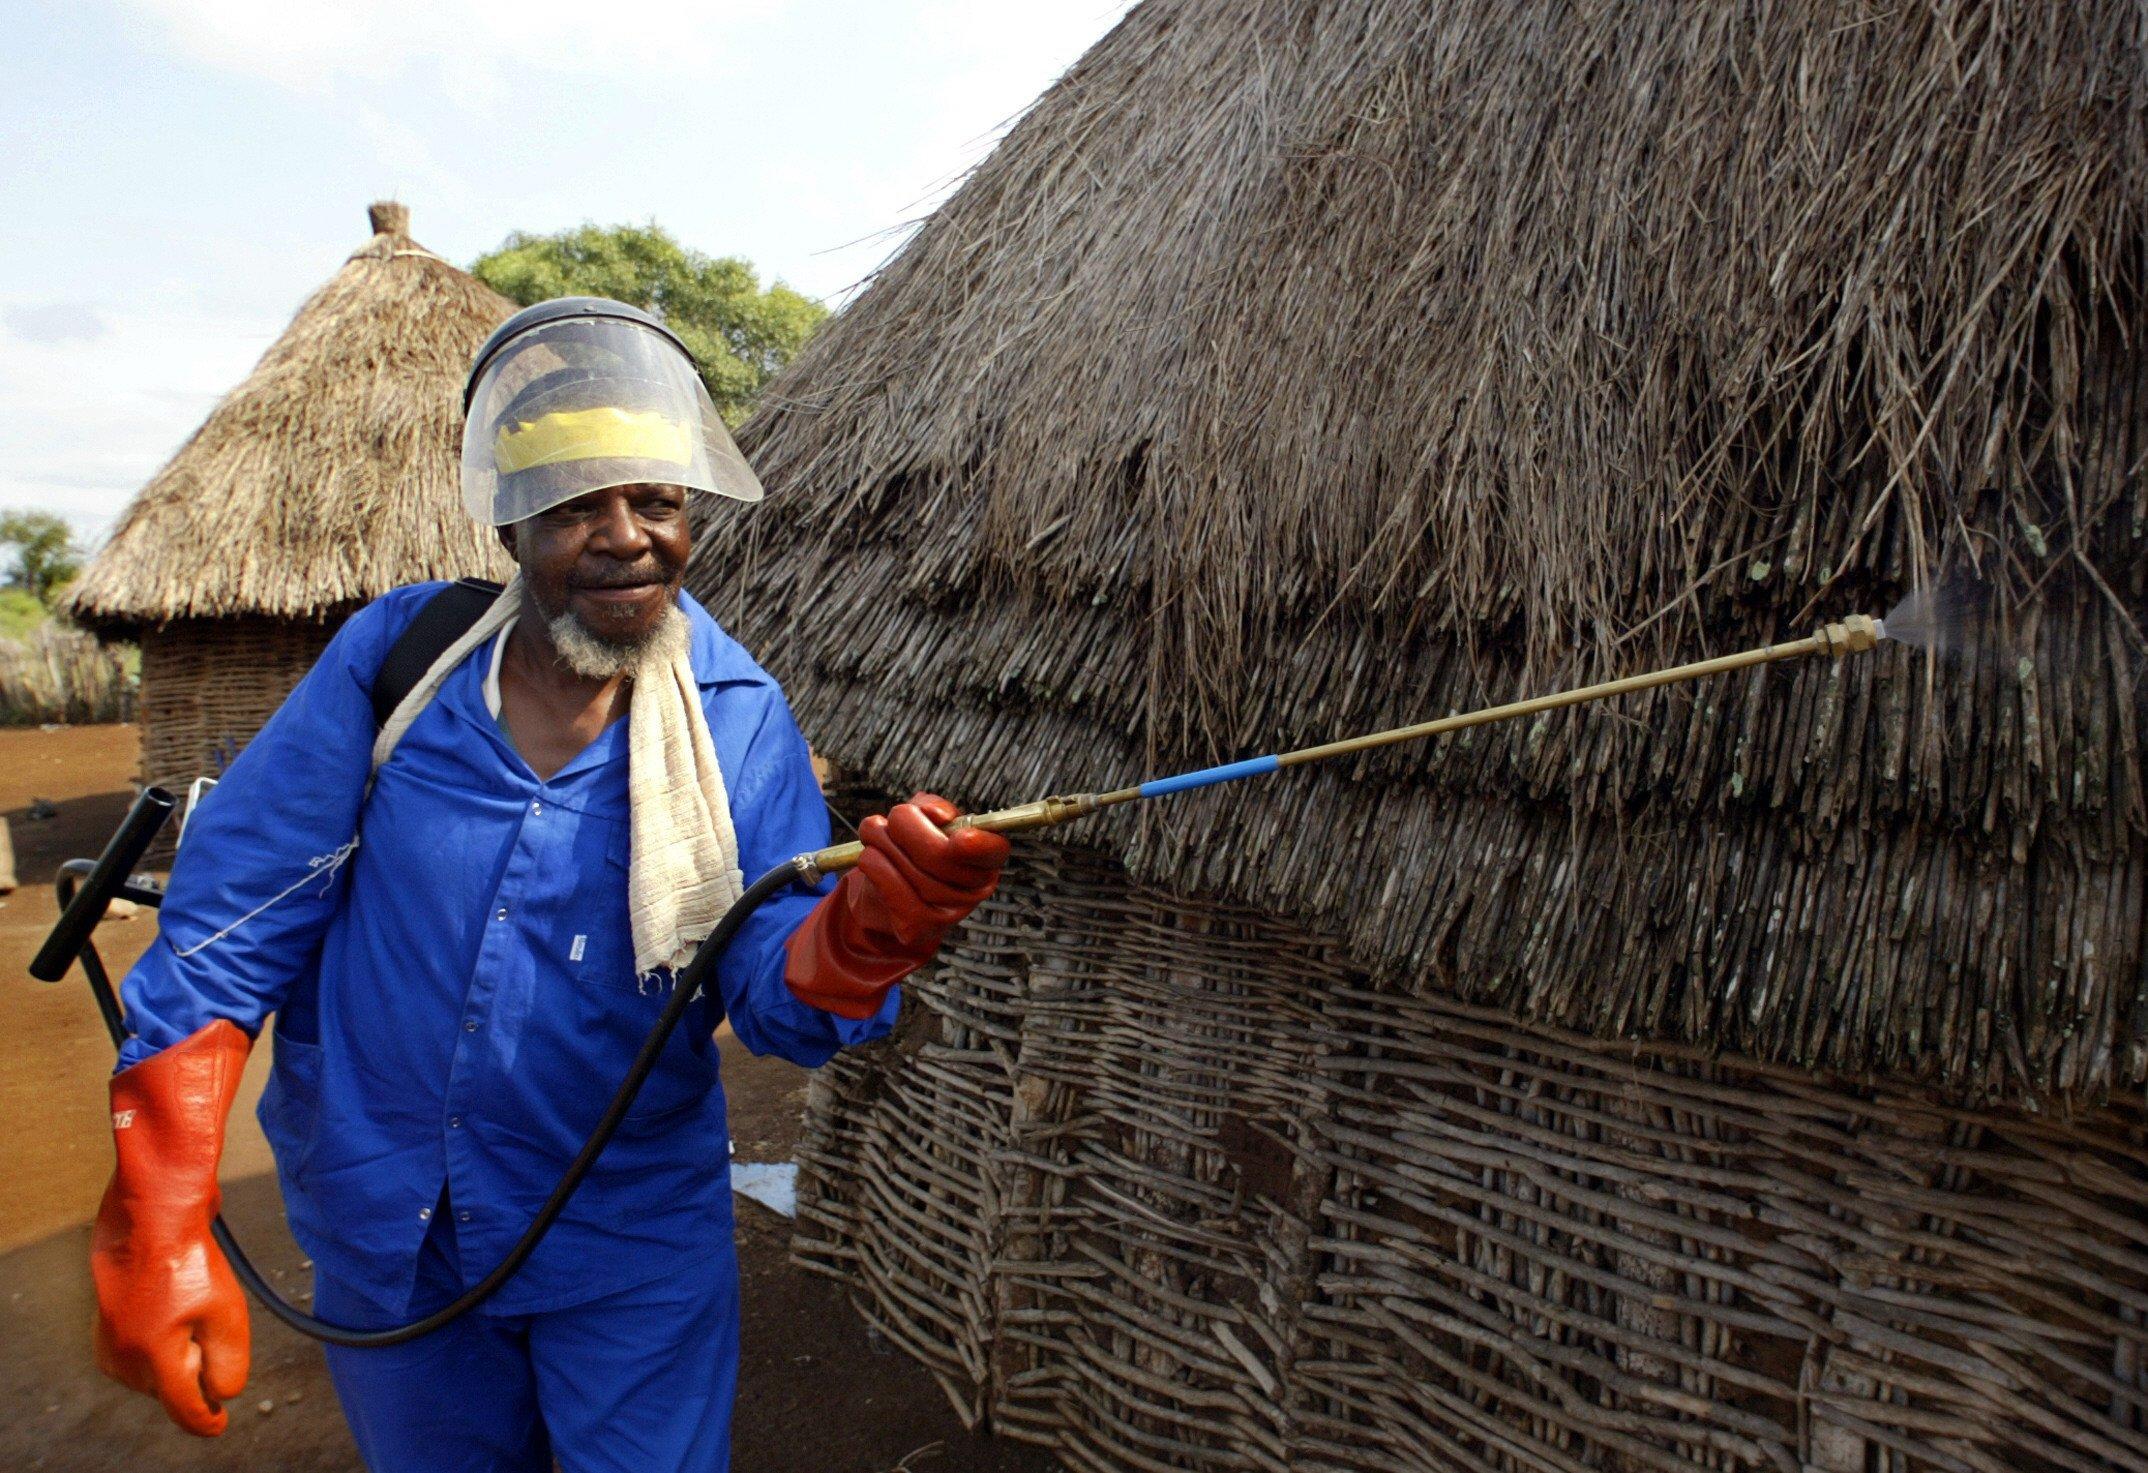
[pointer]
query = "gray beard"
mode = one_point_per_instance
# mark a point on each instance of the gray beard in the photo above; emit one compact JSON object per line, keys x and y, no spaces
{"x":600,"y":659}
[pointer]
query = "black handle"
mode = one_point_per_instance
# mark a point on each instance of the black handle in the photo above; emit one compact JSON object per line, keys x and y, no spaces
{"x":136,"y":832}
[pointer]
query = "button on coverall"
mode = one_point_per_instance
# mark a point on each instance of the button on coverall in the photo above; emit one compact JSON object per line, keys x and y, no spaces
{"x":455,"y":1000}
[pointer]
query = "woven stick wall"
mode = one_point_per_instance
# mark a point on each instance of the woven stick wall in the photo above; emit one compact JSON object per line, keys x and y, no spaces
{"x":207,"y":687}
{"x":1167,"y":1184}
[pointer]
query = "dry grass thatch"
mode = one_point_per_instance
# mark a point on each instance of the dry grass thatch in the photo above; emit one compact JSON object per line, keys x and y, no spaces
{"x":330,"y":475}
{"x":1295,"y":369}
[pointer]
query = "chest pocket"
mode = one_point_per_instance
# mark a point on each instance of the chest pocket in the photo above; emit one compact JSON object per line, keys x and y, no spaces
{"x":616,"y":1007}
{"x":603,"y":955}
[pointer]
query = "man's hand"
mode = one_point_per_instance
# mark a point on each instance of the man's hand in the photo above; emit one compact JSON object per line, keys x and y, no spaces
{"x":171,"y":1319}
{"x":888,"y":916}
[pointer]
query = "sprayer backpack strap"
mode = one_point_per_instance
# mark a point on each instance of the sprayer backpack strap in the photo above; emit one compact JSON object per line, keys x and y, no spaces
{"x":441,"y":620}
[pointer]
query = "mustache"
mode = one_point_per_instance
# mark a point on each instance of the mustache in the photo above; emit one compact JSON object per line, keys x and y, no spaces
{"x":632,"y":577}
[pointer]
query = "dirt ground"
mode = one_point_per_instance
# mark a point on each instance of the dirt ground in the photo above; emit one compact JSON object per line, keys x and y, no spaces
{"x":817,"y":1392}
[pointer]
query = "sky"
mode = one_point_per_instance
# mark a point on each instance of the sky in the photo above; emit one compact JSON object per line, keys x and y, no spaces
{"x":179,"y":175}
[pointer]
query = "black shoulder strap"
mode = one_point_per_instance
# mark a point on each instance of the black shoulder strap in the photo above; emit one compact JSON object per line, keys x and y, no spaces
{"x":441,"y":620}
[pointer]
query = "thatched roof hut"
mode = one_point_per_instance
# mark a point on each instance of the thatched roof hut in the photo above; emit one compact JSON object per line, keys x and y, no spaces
{"x":325,"y":479}
{"x":1746,"y":1075}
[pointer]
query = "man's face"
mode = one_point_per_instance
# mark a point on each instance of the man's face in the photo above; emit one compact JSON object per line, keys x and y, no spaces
{"x":612,"y":559}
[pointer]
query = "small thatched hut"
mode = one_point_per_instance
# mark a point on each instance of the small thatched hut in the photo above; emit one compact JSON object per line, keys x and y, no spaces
{"x":1745,"y":1077}
{"x":325,"y":479}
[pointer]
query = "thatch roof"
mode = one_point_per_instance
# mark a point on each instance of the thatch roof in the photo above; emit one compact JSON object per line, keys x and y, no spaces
{"x":1297,"y":369}
{"x":330,"y":475}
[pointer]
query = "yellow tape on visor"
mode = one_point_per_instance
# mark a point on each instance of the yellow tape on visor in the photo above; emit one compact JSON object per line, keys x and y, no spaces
{"x":592,"y":434}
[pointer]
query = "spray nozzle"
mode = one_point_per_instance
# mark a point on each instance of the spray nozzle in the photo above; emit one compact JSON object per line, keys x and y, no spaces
{"x":1854,"y":635}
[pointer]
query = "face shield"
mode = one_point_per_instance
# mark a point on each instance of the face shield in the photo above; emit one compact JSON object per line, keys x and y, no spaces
{"x":583,"y":402}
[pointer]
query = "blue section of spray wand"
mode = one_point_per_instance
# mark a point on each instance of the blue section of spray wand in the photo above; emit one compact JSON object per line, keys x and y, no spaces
{"x":1207,"y":777}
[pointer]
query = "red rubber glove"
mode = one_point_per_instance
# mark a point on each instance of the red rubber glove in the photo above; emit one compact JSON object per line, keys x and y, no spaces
{"x":886,"y":918}
{"x":171,"y":1319}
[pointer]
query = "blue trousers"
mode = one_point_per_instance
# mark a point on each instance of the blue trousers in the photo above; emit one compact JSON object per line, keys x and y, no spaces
{"x":641,"y":1380}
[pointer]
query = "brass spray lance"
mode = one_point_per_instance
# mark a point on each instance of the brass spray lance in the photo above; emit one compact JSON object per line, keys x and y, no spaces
{"x":1853,"y":635}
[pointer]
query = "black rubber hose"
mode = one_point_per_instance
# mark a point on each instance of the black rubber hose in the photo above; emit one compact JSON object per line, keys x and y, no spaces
{"x":689,"y":982}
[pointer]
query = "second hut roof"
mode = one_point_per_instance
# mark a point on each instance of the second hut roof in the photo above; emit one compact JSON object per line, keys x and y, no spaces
{"x":1295,"y":370}
{"x":331,"y":474}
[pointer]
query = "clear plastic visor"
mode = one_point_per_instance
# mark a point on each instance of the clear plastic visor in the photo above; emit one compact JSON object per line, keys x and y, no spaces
{"x":586,"y":403}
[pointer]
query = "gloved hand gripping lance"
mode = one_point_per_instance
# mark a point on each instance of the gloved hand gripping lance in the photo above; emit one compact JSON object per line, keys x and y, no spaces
{"x":108,"y":877}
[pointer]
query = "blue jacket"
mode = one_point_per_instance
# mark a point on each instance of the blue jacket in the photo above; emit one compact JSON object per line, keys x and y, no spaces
{"x":455,"y":997}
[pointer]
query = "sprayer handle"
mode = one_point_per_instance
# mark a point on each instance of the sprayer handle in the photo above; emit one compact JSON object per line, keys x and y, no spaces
{"x":122,"y":852}
{"x":1043,"y":813}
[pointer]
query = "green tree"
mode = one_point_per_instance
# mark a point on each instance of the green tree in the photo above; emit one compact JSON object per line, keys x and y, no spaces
{"x":45,"y":555}
{"x":739,"y":332}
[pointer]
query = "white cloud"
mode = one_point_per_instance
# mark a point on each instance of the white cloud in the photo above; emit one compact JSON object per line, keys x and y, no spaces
{"x":407,"y":161}
{"x":986,"y":61}
{"x":52,"y":322}
{"x":470,"y":47}
{"x":83,"y":423}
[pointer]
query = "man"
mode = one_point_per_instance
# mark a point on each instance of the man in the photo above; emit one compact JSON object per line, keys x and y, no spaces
{"x":465,"y":923}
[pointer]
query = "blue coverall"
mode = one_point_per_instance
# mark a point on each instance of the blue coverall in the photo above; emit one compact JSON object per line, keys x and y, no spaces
{"x":455,"y":1002}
